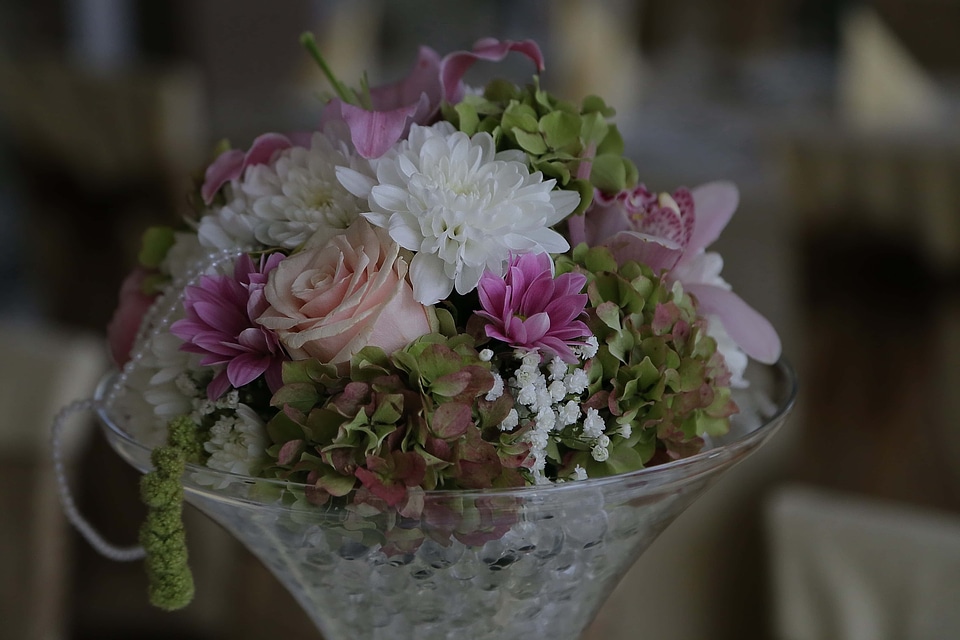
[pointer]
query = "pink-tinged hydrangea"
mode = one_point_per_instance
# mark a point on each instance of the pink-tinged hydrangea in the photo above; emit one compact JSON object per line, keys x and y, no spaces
{"x":530,"y":309}
{"x":220,"y":324}
{"x":671,"y":233}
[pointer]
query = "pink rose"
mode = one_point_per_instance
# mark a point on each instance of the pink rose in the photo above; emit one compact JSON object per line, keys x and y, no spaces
{"x":133,"y":305}
{"x":329,"y":302}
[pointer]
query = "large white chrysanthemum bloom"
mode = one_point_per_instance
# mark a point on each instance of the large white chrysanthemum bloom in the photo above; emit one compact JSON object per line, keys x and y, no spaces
{"x":461,"y":206}
{"x":284,"y":202}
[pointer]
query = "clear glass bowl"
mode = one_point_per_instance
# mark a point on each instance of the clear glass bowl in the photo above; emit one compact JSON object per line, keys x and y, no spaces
{"x":535,"y":562}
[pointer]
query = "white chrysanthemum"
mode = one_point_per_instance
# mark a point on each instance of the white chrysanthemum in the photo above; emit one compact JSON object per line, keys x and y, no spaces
{"x":296,"y":197}
{"x":159,"y":387}
{"x":232,"y":225}
{"x":237,"y":443}
{"x":184,"y":255}
{"x":461,"y":206}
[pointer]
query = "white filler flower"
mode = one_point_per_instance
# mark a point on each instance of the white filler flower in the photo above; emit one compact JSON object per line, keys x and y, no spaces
{"x":461,"y":206}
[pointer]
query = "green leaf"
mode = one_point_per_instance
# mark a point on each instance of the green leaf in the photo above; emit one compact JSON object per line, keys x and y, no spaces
{"x":336,"y":484}
{"x":282,"y":428}
{"x":595,"y":104}
{"x":469,"y":120}
{"x":609,"y":173}
{"x":613,"y":142}
{"x":560,"y":129}
{"x":593,"y":128}
{"x":532,"y":143}
{"x":301,"y":396}
{"x":623,"y":460}
{"x":599,"y":260}
{"x":609,"y":314}
{"x":585,"y":189}
{"x":520,"y":116}
{"x":451,"y":420}
{"x":154,"y":245}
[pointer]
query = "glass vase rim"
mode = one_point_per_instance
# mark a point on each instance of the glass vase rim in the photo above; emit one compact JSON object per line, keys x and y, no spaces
{"x":664,"y":471}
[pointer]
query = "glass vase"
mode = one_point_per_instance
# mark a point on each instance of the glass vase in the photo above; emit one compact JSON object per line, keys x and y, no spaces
{"x":535,"y":562}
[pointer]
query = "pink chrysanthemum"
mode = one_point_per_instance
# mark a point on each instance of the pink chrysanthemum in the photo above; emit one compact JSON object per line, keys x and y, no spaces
{"x":528,"y":308}
{"x":221,"y":325}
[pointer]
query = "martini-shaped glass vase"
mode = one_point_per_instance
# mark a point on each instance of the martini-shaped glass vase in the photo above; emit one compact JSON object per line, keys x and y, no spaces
{"x":535,"y":562}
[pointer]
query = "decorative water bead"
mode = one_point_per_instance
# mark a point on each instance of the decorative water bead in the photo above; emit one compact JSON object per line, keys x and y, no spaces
{"x":351,"y":550}
{"x":438,"y":556}
{"x":587,"y":531}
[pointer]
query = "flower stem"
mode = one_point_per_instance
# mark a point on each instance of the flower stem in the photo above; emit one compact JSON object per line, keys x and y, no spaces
{"x":310,"y":44}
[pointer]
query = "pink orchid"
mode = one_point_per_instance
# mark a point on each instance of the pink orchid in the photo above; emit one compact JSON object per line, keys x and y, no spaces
{"x":671,"y":233}
{"x":416,"y":99}
{"x":221,"y":325}
{"x":231,"y":164}
{"x":528,"y":308}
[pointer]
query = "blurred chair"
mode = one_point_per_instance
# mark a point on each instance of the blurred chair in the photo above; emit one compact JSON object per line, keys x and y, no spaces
{"x":41,"y":370}
{"x":849,"y":568}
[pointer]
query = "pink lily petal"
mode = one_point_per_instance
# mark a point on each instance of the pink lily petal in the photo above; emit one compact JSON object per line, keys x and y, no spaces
{"x":230,"y":165}
{"x":745,"y":326}
{"x":455,"y":65}
{"x":424,"y":78}
{"x":373,"y":132}
{"x":714,"y":204}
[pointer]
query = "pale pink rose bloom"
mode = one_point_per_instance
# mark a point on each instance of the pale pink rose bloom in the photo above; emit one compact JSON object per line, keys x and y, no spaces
{"x":330,"y":301}
{"x":125,"y":323}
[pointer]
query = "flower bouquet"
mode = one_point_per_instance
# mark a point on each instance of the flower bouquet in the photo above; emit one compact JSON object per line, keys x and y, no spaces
{"x":444,"y":364}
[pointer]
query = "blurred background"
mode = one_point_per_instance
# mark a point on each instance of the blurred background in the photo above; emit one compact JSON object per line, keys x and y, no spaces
{"x":838,"y":120}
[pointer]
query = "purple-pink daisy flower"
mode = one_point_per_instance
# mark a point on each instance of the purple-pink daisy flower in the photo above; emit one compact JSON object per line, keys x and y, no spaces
{"x":530,"y":309}
{"x":220,"y":324}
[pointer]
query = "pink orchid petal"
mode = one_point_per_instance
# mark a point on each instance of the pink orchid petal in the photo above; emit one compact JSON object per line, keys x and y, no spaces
{"x":657,"y":253}
{"x":455,"y":65}
{"x":374,"y":132}
{"x":745,"y":326}
{"x":577,"y":230}
{"x":714,"y":203}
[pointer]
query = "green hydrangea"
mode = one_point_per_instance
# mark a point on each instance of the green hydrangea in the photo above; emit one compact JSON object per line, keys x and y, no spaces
{"x":562,"y":140}
{"x":656,"y":374}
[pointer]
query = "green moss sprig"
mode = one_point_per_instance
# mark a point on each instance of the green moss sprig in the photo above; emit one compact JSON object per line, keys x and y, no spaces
{"x":162,"y":535}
